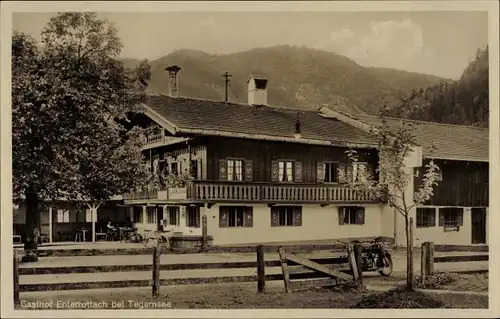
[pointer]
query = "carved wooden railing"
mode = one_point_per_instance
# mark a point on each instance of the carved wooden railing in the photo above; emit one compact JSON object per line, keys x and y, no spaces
{"x":154,"y":138}
{"x":273,"y":193}
{"x":255,"y":192}
{"x":138,"y":195}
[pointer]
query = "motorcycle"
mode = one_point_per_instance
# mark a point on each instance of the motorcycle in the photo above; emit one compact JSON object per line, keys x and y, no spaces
{"x":375,"y":257}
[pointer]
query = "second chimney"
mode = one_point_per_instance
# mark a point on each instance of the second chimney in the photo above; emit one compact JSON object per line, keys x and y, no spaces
{"x":257,"y":90}
{"x":173,"y":87}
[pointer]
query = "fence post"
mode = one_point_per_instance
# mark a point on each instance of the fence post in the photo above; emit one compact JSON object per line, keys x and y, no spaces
{"x":430,"y":258}
{"x":352,"y":262}
{"x":204,"y":232}
{"x":156,"y":271}
{"x":424,"y":270}
{"x":284,"y":268}
{"x":15,"y":281}
{"x":358,"y":251}
{"x":261,"y":270}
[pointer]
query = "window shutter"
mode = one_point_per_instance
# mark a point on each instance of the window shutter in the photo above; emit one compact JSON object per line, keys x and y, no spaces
{"x":360,"y":216}
{"x":441,"y":218}
{"x":199,"y":171}
{"x":342,"y":179}
{"x":223,"y":218}
{"x":297,"y":215}
{"x":460,"y":217}
{"x":298,"y":172}
{"x":274,"y":217}
{"x":248,"y":217}
{"x":274,"y":171}
{"x":320,"y":172}
{"x":341,"y":215}
{"x":248,"y":170}
{"x":223,"y":170}
{"x":432,"y":218}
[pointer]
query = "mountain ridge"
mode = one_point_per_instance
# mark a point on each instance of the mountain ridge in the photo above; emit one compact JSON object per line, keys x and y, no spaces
{"x":299,"y":77}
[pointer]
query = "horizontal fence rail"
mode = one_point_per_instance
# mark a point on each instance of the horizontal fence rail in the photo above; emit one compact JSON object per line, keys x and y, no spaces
{"x":428,"y":260}
{"x":296,"y":270}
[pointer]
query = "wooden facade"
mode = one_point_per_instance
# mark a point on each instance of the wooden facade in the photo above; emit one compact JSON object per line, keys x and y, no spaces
{"x":462,"y":184}
{"x":261,"y":159}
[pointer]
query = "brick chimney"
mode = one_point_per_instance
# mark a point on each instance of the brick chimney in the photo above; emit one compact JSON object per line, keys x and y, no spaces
{"x":257,"y":90}
{"x":173,"y":86}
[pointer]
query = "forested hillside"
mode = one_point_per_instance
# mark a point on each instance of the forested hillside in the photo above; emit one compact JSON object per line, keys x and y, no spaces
{"x":465,"y":101}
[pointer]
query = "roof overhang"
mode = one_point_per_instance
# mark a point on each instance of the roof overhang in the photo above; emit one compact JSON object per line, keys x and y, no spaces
{"x":176,"y":130}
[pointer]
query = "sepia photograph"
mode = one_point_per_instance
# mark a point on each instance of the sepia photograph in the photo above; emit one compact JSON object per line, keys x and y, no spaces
{"x":258,"y":158}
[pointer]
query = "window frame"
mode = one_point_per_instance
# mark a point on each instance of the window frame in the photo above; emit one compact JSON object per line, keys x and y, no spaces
{"x":234,"y":172}
{"x":197,"y":218}
{"x":335,"y":172}
{"x":422,"y":218}
{"x":62,"y":213}
{"x":285,"y":170}
{"x":174,"y":213}
{"x":350,"y":213}
{"x":247,"y":213}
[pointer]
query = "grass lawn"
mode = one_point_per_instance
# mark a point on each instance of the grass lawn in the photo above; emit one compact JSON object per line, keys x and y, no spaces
{"x":244,"y":296}
{"x":458,"y":282}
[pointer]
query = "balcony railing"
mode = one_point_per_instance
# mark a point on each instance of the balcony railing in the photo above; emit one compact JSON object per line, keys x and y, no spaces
{"x":221,"y":191}
{"x":154,"y":138}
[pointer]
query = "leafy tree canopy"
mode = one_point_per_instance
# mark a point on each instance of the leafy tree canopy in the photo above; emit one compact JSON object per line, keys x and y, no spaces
{"x":67,"y":102}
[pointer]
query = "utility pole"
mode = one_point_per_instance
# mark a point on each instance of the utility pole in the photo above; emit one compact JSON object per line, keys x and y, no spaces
{"x":227,"y":78}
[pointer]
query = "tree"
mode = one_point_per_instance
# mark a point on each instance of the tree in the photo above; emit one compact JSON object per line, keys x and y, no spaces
{"x":70,"y":102}
{"x":395,"y":144}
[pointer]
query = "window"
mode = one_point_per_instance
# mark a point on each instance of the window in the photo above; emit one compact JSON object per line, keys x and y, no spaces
{"x":351,"y":215}
{"x":331,"y":172}
{"x":285,"y":171}
{"x":234,"y":170}
{"x":174,"y":168}
{"x":151,"y":215}
{"x":357,"y":168}
{"x":426,"y":217}
{"x":173,"y":215}
{"x":286,"y":216}
{"x":235,"y":216}
{"x":63,"y":215}
{"x":451,"y":216}
{"x":193,"y":217}
{"x":194,"y":169}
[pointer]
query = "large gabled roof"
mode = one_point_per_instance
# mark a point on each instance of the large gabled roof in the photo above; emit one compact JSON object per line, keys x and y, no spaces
{"x":188,"y":115}
{"x":439,"y":141}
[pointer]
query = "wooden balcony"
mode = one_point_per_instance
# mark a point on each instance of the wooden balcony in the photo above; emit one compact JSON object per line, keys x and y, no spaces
{"x":222,"y":191}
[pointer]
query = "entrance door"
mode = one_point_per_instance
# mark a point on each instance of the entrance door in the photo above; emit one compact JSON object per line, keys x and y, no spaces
{"x":478,"y":216}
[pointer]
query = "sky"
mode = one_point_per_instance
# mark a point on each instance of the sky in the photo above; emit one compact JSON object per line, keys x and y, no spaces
{"x":433,"y":42}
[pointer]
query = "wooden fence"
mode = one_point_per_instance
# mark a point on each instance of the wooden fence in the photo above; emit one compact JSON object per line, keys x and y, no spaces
{"x":293,"y":268}
{"x":427,"y":260}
